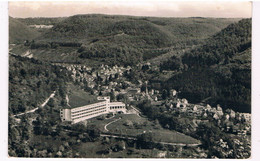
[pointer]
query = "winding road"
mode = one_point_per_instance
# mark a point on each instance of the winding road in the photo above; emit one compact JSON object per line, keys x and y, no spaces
{"x":105,"y":127}
{"x":42,"y":105}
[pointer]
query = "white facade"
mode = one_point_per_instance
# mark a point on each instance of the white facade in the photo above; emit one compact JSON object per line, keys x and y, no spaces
{"x":116,"y":107}
{"x":77,"y":114}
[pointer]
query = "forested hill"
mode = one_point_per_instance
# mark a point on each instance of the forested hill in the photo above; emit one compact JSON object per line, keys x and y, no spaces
{"x":128,"y":40}
{"x":124,"y":40}
{"x":234,"y":39}
{"x":32,"y":81}
{"x":19,"y":32}
{"x":41,"y":20}
{"x":219,"y":70}
{"x":129,"y":30}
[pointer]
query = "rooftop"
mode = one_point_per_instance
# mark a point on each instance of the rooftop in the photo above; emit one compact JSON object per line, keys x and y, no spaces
{"x":117,"y":104}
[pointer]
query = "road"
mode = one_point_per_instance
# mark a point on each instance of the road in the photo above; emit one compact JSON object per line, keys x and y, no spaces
{"x":42,"y":105}
{"x":68,"y":100}
{"x":105,"y":127}
{"x":136,"y":110}
{"x":204,"y":100}
{"x":134,"y":138}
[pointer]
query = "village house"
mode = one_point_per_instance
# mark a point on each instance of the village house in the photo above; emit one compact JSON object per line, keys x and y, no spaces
{"x":173,"y":92}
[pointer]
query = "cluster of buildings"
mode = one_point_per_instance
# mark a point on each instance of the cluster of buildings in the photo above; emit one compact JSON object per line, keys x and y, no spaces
{"x":133,"y":92}
{"x":83,"y":73}
{"x":228,"y":120}
{"x":100,"y":107}
{"x":105,"y":71}
{"x":41,"y":26}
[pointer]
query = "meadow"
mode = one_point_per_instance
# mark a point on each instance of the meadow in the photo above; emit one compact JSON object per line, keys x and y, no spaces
{"x":133,"y":125}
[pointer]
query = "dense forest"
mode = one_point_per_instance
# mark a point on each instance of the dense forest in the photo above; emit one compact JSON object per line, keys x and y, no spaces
{"x":98,"y":36}
{"x":31,"y":81}
{"x":133,"y":35}
{"x":41,"y":20}
{"x":219,"y":70}
{"x":145,"y":31}
{"x":234,"y":39}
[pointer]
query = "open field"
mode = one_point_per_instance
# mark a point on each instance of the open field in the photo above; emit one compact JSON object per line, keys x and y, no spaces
{"x":58,"y":55}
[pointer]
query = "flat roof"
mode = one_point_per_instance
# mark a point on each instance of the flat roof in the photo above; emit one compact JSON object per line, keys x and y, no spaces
{"x":116,"y":103}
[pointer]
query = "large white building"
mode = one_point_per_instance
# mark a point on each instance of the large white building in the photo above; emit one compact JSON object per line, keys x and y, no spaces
{"x":103,"y":106}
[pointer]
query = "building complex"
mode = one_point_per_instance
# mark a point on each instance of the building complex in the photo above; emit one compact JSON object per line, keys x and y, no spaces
{"x":102,"y":106}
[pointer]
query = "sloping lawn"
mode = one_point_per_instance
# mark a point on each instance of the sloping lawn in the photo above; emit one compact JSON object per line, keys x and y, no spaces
{"x":133,"y":125}
{"x":168,"y":136}
{"x":78,"y":97}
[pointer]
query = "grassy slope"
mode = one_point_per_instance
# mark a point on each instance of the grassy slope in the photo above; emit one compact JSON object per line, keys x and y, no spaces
{"x":78,"y":97}
{"x":160,"y":135}
{"x":19,"y":32}
{"x":41,"y":21}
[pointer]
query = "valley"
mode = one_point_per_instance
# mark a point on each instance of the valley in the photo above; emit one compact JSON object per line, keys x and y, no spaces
{"x":185,"y":84}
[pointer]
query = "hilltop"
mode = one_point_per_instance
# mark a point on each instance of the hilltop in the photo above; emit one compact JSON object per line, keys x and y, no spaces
{"x":126,"y":40}
{"x":41,"y":20}
{"x":149,"y":31}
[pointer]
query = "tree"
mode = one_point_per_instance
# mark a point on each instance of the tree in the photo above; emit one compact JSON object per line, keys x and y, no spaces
{"x":26,"y":128}
{"x":62,"y":92}
{"x":61,"y":148}
{"x":157,"y":125}
{"x":164,"y":94}
{"x":112,"y":95}
{"x":21,"y":107}
{"x":51,"y":102}
{"x":39,"y":84}
{"x":58,"y":154}
{"x":110,"y":78}
{"x":23,"y":73}
{"x":145,"y":140}
{"x":93,"y":132}
{"x":13,"y":135}
{"x":38,"y":126}
{"x":143,"y":88}
{"x":116,"y":75}
{"x":106,"y":81}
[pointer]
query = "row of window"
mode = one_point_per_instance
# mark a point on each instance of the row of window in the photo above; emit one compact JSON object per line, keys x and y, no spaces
{"x":88,"y":115}
{"x":73,"y":112}
{"x":117,"y":107}
{"x":88,"y":112}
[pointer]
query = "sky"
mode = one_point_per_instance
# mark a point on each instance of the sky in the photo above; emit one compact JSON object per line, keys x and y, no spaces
{"x":225,"y":9}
